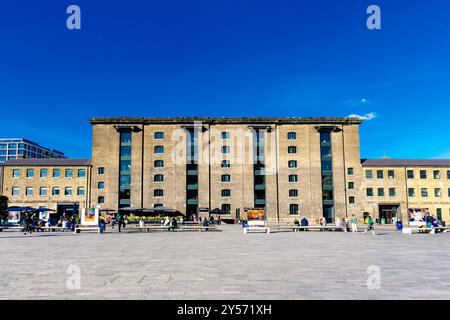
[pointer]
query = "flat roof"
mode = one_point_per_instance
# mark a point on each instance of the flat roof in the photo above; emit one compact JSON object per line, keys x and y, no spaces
{"x":226,"y":120}
{"x":405,"y":162}
{"x":47,"y":162}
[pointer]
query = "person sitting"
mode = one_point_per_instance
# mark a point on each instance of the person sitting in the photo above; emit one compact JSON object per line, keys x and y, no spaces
{"x":205,"y":222}
{"x":173,"y":224}
{"x":304,"y":223}
{"x":296,"y":222}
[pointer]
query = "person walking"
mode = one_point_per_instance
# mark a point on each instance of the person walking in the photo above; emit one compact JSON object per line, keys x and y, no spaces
{"x":119,"y":219}
{"x":354,"y":223}
{"x":369,"y":225}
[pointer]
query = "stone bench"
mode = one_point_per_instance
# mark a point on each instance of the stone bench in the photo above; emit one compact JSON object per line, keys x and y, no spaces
{"x":256,"y":229}
{"x":79,"y":229}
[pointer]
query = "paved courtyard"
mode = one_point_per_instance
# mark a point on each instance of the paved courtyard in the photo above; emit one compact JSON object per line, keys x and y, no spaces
{"x":224,"y":265}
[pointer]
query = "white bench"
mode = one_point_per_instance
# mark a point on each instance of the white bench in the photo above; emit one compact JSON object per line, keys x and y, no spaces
{"x":79,"y":229}
{"x":256,"y":229}
{"x":412,"y":230}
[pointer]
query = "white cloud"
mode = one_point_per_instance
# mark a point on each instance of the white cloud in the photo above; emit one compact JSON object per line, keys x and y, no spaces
{"x":358,"y":102}
{"x":368,"y":116}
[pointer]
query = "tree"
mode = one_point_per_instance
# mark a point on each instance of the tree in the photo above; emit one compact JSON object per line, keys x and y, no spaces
{"x":3,"y":208}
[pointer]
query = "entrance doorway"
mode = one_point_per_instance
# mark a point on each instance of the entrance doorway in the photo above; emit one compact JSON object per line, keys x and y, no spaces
{"x":387,"y":213}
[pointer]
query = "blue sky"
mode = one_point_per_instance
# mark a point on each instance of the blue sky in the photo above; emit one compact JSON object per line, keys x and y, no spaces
{"x":228,"y":58}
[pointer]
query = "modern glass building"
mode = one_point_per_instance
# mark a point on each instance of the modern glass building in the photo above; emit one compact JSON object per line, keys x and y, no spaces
{"x":19,"y":148}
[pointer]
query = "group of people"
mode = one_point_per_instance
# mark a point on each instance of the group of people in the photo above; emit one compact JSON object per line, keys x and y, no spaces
{"x":342,"y":223}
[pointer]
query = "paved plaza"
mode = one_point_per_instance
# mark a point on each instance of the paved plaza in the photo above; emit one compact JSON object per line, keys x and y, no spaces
{"x":224,"y":265}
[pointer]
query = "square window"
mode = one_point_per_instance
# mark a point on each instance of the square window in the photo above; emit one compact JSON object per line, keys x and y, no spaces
{"x":368,"y":174}
{"x":292,"y":135}
{"x":225,"y":149}
{"x":411,"y":192}
{"x":55,"y":191}
{"x":101,"y":200}
{"x":81,"y":173}
{"x":392,"y":192}
{"x":15,"y":192}
{"x":380,"y":192}
{"x":436,"y":174}
{"x":225,"y":135}
{"x":42,"y":191}
{"x":226,"y":193}
{"x":369,"y":192}
{"x":159,"y":135}
{"x":56,"y":173}
{"x":351,"y":200}
{"x":29,"y":191}
{"x":380,"y":174}
{"x":424,"y":192}
{"x":101,"y":185}
{"x":225,"y":164}
{"x":350,"y":171}
{"x":438,"y":192}
{"x":43,"y":173}
{"x":101,"y":170}
{"x":410,"y":174}
{"x":69,"y":173}
{"x":80,"y":191}
{"x":391,"y":174}
{"x":423,"y":174}
{"x":30,"y":173}
{"x":16,"y":173}
{"x":351,"y":185}
{"x":292,"y":149}
{"x":293,"y":209}
{"x":68,"y":191}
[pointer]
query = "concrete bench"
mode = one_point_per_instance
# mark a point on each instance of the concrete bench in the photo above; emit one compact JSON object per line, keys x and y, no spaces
{"x":79,"y":229}
{"x":11,"y":228}
{"x":412,"y":230}
{"x":150,"y":228}
{"x":197,"y":228}
{"x":441,"y":229}
{"x":312,"y":228}
{"x":52,"y":229}
{"x":256,"y":229}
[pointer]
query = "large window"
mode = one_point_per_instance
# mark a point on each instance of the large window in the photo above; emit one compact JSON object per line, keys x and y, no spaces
{"x":30,"y":173}
{"x":15,"y":191}
{"x":424,"y":192}
{"x":56,"y":173}
{"x":29,"y":191}
{"x":293,"y":178}
{"x":226,"y":164}
{"x":226,"y":193}
{"x":81,"y":173}
{"x":68,"y":191}
{"x":293,"y":209}
{"x":292,"y":164}
{"x":159,"y":163}
{"x":380,"y":174}
{"x":410,"y":174}
{"x":158,"y":193}
{"x":159,"y":149}
{"x":436,"y":174}
{"x":124,"y":169}
{"x":16,"y":173}
{"x":159,"y":135}
{"x":391,"y":174}
{"x":80,"y":191}
{"x":423,"y":174}
{"x":226,"y":208}
{"x":158,"y":178}
{"x":292,"y":149}
{"x":226,"y":178}
{"x":392,"y":192}
{"x":292,"y":135}
{"x":293,"y":193}
{"x":69,"y":173}
{"x":225,"y":149}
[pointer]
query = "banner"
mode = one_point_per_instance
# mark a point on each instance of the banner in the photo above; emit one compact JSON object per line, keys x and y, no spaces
{"x":89,"y":217}
{"x":256,"y":217}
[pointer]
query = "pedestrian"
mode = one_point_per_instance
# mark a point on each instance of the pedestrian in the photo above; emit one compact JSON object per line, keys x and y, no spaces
{"x":429,"y":220}
{"x":219,"y":220}
{"x":344,"y":225}
{"x":173,"y":224}
{"x":354,"y":223}
{"x":369,"y":225}
{"x":119,"y":219}
{"x":323,"y":221}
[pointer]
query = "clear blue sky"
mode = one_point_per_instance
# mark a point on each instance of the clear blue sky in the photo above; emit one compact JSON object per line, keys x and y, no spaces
{"x":228,"y":58}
